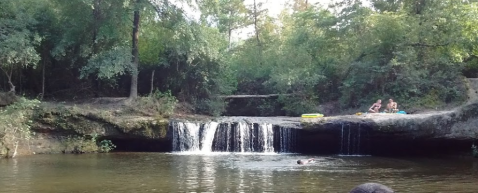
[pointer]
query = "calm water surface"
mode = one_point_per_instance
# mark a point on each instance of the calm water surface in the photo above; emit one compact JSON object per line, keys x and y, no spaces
{"x":162,"y":172}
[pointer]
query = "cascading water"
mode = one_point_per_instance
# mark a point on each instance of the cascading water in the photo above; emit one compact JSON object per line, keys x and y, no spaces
{"x":208,"y":136}
{"x":266,"y":138}
{"x":231,"y":137}
{"x":351,"y":140}
{"x":186,"y":136}
{"x":287,"y":140}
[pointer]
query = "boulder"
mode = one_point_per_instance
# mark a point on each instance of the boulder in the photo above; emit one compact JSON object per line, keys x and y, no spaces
{"x":371,"y":188}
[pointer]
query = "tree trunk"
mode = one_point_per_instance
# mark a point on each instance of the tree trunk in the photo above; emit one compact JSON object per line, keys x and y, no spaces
{"x":9,"y":79}
{"x":152,"y":83}
{"x":256,"y":28}
{"x":135,"y":61}
{"x":229,"y":30}
{"x":96,"y":24}
{"x":43,"y":80}
{"x":20,"y":73}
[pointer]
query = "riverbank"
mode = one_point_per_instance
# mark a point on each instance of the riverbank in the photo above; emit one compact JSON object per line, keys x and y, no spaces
{"x":67,"y":127}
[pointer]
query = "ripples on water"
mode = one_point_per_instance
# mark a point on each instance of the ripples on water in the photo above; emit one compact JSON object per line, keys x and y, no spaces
{"x":226,"y":172}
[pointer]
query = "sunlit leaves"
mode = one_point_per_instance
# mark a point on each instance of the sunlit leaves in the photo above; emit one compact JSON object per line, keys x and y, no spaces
{"x":109,"y":64}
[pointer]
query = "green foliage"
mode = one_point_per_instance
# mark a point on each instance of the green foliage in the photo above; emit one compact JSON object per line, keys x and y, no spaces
{"x":15,"y":122}
{"x":106,"y":146}
{"x":79,"y":144}
{"x":17,"y":37}
{"x":214,"y":106}
{"x":109,"y":64}
{"x":15,"y":119}
{"x":350,"y":54}
{"x":158,"y":103}
{"x":297,"y":105}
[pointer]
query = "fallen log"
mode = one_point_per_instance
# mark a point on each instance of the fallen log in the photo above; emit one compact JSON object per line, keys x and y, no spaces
{"x":252,"y":96}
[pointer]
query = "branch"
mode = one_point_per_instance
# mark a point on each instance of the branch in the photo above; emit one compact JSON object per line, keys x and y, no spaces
{"x":252,"y":96}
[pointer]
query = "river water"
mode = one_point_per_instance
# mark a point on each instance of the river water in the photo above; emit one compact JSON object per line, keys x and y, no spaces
{"x":226,"y":172}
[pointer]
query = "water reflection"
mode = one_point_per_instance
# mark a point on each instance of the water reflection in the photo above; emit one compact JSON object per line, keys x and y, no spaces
{"x":225,"y":172}
{"x":194,"y":172}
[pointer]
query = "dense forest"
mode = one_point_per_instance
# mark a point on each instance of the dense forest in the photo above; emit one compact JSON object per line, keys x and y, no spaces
{"x":328,"y":58}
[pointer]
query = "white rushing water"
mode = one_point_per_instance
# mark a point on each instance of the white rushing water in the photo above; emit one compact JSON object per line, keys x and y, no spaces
{"x":208,"y":136}
{"x":266,"y":137}
{"x":231,"y":137}
{"x":186,"y":136}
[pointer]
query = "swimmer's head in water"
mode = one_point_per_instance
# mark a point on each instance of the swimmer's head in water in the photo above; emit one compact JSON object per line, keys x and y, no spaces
{"x":299,"y":162}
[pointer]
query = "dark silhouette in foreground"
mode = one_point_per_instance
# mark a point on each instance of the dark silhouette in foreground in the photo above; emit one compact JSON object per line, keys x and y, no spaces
{"x":305,"y":161}
{"x":371,"y":188}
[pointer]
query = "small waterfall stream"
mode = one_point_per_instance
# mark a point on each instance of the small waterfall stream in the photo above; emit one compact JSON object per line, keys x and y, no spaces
{"x":351,"y":140}
{"x":232,"y":137}
{"x":208,"y":136}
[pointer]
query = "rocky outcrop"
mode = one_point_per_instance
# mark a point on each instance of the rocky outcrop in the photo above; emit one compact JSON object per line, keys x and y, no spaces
{"x":64,"y":127}
{"x":59,"y":127}
{"x":432,"y":132}
{"x":461,"y":123}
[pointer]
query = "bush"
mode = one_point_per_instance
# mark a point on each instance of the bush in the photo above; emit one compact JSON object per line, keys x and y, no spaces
{"x":79,"y":144}
{"x":106,"y":146}
{"x":157,"y":103}
{"x":15,"y":122}
{"x":214,"y":107}
{"x":297,"y":105}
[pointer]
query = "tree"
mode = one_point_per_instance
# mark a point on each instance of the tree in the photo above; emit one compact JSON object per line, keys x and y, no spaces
{"x":232,"y":16}
{"x":134,"y":68}
{"x":17,"y":38}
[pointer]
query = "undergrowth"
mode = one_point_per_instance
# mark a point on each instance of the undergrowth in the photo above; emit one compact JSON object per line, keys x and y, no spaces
{"x":15,"y":123}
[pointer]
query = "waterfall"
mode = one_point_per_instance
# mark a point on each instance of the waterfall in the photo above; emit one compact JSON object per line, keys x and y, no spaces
{"x":342,"y":140}
{"x":351,"y":140}
{"x":287,"y":140}
{"x":348,"y":146}
{"x":231,"y":137}
{"x":208,"y":136}
{"x":245,"y":138}
{"x":266,"y":138}
{"x":186,"y":136}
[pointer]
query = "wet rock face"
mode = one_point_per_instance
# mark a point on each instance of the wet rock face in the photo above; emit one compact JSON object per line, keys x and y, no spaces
{"x":371,"y":188}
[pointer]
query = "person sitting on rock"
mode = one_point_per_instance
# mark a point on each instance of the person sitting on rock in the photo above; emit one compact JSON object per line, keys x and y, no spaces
{"x":375,"y":108}
{"x":305,"y":161}
{"x":392,"y":107}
